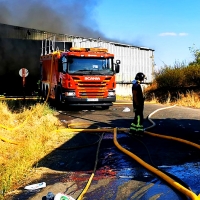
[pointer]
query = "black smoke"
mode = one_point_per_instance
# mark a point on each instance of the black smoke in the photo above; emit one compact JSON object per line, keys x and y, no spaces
{"x":74,"y":17}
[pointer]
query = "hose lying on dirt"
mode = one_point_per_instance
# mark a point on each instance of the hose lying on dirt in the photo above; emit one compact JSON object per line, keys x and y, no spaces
{"x":95,"y":168}
{"x":156,"y":171}
{"x":183,"y":188}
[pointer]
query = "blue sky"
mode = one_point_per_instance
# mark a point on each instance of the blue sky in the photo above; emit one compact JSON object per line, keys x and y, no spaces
{"x":169,"y":27}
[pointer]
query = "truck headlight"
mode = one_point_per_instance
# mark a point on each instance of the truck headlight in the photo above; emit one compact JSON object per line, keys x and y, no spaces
{"x":111,"y":93}
{"x":70,"y":94}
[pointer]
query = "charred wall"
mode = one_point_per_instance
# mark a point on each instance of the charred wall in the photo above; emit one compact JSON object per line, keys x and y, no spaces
{"x":14,"y":55}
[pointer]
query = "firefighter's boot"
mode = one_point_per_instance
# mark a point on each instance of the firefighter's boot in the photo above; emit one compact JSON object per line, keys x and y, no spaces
{"x":137,"y":129}
{"x":133,"y":129}
{"x":140,"y":130}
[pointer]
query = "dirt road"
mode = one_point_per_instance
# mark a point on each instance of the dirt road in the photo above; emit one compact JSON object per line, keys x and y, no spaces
{"x":117,"y":176}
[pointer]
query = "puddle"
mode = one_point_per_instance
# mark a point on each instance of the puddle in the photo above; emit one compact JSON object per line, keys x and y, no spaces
{"x":128,"y":170}
{"x":188,"y":173}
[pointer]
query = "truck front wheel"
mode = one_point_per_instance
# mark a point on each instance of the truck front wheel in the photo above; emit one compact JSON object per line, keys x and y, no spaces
{"x":105,"y":107}
{"x":58,"y":98}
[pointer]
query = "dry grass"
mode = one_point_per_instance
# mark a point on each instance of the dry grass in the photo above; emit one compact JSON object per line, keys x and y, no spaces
{"x":190,"y":99}
{"x":180,"y":96}
{"x":123,"y":98}
{"x":183,"y":96}
{"x":26,"y":137}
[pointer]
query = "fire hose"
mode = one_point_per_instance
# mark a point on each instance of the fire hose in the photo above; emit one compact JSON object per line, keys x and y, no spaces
{"x":159,"y":173}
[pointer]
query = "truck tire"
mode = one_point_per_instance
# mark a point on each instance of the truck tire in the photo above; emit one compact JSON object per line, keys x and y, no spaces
{"x":46,"y":93}
{"x":58,"y":98}
{"x":105,"y":107}
{"x":43,"y":94}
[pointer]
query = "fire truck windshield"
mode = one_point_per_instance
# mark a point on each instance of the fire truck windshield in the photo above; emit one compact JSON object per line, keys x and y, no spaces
{"x":90,"y":65}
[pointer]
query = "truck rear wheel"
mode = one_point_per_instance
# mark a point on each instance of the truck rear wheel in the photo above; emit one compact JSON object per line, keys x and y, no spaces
{"x":43,"y":94}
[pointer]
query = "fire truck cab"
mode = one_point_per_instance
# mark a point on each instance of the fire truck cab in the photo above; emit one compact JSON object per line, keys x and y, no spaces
{"x":80,"y":77}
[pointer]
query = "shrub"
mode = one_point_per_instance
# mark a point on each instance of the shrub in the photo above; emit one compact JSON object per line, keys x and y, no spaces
{"x":169,"y":77}
{"x":192,"y":74}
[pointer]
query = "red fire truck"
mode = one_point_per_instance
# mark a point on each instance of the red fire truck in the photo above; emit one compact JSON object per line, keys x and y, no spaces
{"x":79,"y":77}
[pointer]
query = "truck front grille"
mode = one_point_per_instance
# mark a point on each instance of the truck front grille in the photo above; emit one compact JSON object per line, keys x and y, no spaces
{"x":96,"y":89}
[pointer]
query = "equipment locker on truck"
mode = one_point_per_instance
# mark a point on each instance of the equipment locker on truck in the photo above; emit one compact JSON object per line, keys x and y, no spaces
{"x":80,"y":77}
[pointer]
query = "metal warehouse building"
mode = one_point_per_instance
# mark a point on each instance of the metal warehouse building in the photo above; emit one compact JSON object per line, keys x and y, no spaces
{"x":133,"y":58}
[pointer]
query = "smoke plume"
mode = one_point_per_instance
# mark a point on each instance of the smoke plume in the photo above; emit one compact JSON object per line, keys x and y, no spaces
{"x":74,"y":17}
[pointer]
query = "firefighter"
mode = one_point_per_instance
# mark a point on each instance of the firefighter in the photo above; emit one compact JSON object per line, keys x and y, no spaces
{"x":138,"y":104}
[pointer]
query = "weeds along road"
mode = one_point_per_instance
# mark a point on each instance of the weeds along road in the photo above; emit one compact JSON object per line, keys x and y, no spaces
{"x":117,"y":176}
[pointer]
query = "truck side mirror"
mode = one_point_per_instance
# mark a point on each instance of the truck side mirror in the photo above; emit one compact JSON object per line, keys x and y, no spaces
{"x":118,"y":62}
{"x":117,"y":68}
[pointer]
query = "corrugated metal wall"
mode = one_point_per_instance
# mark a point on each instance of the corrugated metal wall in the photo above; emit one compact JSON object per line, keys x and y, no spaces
{"x":133,"y":59}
